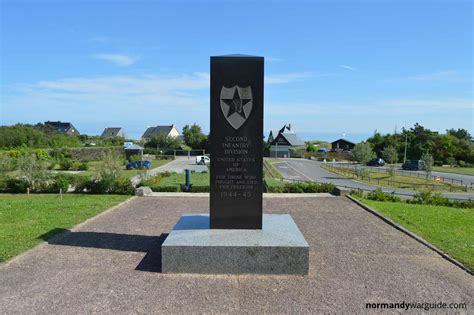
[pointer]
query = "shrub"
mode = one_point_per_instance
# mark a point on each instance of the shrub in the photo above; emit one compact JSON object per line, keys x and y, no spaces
{"x":122,"y":186}
{"x":305,"y":187}
{"x":75,"y":165}
{"x":59,"y":182}
{"x":84,"y":166}
{"x":165,"y":188}
{"x":361,"y":172}
{"x":41,"y":154}
{"x":135,"y":158}
{"x":65,"y":164}
{"x":426,"y":197}
{"x":204,"y":188}
{"x":82,"y":184}
{"x":379,"y":195}
{"x":7,"y":163}
{"x":16,"y":185}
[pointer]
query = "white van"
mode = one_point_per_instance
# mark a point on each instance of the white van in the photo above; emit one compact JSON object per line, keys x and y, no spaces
{"x":202,"y":160}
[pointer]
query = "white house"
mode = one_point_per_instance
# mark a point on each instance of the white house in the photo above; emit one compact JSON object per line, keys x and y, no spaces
{"x":151,"y":132}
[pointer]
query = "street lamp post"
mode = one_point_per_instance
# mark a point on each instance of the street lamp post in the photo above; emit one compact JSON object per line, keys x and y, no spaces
{"x":406,"y":143}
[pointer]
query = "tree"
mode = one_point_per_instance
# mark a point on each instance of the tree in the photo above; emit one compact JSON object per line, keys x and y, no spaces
{"x":310,"y":148}
{"x":427,"y":163}
{"x":193,"y":136}
{"x":390,"y":154}
{"x":33,"y":170}
{"x":461,"y":134}
{"x":362,"y":153}
{"x":164,"y":142}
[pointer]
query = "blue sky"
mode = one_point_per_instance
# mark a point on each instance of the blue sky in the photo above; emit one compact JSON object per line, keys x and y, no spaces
{"x":331,"y":67}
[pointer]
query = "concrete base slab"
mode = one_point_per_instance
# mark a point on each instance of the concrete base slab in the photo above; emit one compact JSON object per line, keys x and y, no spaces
{"x":279,"y":248}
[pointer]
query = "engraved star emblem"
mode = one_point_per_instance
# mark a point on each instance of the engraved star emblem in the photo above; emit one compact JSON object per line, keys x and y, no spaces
{"x":236,"y":104}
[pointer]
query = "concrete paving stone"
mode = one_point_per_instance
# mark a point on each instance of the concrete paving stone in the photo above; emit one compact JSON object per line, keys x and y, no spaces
{"x":111,"y":265}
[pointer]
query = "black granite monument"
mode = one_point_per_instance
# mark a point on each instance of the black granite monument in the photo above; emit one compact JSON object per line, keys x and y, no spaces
{"x":236,"y":142}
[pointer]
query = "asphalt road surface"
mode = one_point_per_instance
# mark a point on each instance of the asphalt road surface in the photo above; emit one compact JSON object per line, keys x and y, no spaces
{"x":307,"y":170}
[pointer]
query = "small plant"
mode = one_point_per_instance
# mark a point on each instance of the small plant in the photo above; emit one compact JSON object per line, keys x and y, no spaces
{"x":427,"y":163}
{"x":451,"y":161}
{"x":65,"y":164}
{"x":379,"y":195}
{"x":84,"y":166}
{"x":361,"y":172}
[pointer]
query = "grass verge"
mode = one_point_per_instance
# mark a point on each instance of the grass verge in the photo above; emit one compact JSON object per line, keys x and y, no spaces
{"x":449,"y":229}
{"x":396,"y":181}
{"x":455,"y":170}
{"x":25,"y":222}
{"x":176,"y":179}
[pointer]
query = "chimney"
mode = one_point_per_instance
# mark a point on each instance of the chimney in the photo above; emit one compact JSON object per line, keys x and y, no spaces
{"x":289,"y":127}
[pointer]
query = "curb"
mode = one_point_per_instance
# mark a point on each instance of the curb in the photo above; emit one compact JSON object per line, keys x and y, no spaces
{"x":265,"y":195}
{"x":62,"y":234}
{"x":412,"y":235}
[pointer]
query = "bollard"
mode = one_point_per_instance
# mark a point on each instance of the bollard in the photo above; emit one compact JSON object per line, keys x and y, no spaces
{"x":188,"y":179}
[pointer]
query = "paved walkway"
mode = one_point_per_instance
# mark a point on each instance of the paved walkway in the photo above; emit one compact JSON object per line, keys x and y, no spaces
{"x":111,"y":265}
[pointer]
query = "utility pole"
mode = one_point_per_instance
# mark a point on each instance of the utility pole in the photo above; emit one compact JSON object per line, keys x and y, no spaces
{"x":406,"y":143}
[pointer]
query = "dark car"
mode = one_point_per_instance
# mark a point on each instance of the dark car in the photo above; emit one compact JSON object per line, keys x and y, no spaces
{"x":138,"y":165}
{"x":376,"y":162}
{"x":413,"y":165}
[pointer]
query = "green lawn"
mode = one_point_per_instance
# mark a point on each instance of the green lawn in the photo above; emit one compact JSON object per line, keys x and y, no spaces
{"x":449,"y":229}
{"x":197,"y":179}
{"x":272,"y":182}
{"x":455,"y":170}
{"x":397,"y":181}
{"x":24,"y":220}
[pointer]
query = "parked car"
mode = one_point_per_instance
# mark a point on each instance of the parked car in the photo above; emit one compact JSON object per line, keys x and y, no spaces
{"x":323,"y":150}
{"x":202,"y":160}
{"x":139,"y":165}
{"x":413,"y":165}
{"x":376,"y":162}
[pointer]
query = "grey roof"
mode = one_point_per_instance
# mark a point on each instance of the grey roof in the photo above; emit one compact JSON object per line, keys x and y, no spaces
{"x":343,"y":140}
{"x":155,"y":131}
{"x":111,"y":131}
{"x":60,"y":126}
{"x":292,"y":139}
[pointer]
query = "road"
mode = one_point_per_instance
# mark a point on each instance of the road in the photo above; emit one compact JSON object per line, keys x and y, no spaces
{"x":177,"y":166}
{"x":304,"y":170}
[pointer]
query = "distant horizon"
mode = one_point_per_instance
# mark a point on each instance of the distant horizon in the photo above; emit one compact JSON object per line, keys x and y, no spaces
{"x":304,"y":135}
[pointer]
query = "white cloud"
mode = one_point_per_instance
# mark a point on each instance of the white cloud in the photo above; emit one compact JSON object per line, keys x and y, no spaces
{"x":117,"y":59}
{"x":348,"y":67}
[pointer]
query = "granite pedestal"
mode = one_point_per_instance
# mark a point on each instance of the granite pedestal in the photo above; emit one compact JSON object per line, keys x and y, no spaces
{"x":278,"y":248}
